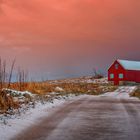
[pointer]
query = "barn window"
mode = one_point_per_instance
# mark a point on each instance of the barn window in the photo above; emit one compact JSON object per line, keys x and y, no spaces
{"x":116,"y":66}
{"x":111,"y":76}
{"x":121,"y":76}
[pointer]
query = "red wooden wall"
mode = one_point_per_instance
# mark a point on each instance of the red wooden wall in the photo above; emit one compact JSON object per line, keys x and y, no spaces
{"x":133,"y":76}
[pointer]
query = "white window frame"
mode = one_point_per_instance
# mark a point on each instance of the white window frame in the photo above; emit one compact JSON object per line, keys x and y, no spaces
{"x":111,"y":76}
{"x":121,"y":76}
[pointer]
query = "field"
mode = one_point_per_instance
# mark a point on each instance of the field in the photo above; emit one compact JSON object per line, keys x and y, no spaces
{"x":33,"y":92}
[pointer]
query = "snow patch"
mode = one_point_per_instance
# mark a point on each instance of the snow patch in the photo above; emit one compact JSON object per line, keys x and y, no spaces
{"x":59,"y":89}
{"x":12,"y":125}
{"x":121,"y":92}
{"x":17,"y":93}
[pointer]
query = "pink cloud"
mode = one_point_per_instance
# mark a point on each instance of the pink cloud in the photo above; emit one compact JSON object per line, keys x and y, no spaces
{"x":68,"y":31}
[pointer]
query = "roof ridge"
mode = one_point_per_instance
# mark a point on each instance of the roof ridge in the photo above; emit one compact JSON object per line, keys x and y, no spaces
{"x":129,"y":65}
{"x":128,"y":60}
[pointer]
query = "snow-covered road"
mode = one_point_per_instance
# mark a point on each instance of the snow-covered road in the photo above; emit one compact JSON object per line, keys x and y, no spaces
{"x":110,"y":116}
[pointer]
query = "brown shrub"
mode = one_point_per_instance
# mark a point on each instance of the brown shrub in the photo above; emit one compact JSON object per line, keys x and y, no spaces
{"x":136,"y":93}
{"x":7,"y":102}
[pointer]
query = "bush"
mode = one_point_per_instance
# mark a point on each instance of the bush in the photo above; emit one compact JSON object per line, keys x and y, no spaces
{"x":7,"y":102}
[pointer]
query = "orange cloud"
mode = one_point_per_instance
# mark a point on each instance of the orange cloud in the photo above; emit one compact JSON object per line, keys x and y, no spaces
{"x":62,"y":31}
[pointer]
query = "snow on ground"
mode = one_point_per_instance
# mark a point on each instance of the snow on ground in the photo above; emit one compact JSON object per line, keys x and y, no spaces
{"x":96,"y":81}
{"x":87,"y":79}
{"x":121,"y":92}
{"x":17,"y":93}
{"x":15,"y":124}
{"x":59,"y":89}
{"x":12,"y":125}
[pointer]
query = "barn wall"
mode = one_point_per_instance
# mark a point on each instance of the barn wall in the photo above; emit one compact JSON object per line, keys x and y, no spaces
{"x":133,"y":76}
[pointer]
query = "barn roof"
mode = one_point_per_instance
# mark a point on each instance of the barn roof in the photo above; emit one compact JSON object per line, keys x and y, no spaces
{"x":130,"y":65}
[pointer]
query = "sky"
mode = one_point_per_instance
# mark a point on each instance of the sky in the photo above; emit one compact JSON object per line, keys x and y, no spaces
{"x":66,"y":38}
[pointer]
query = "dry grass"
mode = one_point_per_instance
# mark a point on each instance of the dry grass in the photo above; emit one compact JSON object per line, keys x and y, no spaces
{"x":78,"y":86}
{"x":7,"y":102}
{"x":41,"y":89}
{"x":46,"y":87}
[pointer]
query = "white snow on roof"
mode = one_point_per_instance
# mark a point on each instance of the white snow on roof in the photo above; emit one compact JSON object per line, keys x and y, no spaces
{"x":130,"y":65}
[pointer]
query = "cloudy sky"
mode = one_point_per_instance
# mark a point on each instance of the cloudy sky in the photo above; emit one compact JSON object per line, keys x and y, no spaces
{"x":60,"y":38}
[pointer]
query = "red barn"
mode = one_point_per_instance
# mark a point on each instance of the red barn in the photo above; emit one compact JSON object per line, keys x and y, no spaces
{"x":124,"y":71}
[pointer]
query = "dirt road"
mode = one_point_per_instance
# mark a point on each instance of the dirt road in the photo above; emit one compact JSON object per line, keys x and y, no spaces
{"x":90,"y":118}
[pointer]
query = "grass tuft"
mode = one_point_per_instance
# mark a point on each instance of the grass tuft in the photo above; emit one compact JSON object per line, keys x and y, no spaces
{"x":136,"y":93}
